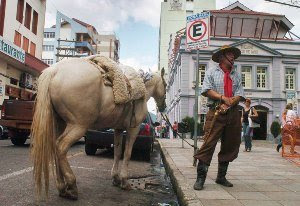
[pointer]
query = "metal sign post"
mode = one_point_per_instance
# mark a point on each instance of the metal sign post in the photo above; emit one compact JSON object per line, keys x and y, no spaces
{"x":197,"y":37}
{"x":196,"y":106}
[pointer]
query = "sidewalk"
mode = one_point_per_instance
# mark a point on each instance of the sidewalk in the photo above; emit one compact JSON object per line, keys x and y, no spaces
{"x":260,"y":177}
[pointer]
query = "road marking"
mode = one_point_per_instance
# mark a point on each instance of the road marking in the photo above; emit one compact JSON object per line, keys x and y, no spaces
{"x":85,"y":168}
{"x":29,"y":169}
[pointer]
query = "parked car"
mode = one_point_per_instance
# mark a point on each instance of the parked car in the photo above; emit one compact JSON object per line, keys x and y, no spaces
{"x":101,"y":139}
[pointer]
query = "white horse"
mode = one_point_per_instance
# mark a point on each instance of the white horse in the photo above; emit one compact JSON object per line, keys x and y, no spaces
{"x":71,"y":99}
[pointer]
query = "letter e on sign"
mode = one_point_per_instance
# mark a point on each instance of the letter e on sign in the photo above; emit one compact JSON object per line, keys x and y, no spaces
{"x":197,"y":30}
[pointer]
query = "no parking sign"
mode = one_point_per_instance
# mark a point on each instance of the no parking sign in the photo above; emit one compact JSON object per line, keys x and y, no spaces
{"x":197,"y":31}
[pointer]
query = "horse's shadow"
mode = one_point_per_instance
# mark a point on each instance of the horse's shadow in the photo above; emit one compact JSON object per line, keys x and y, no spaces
{"x":136,"y":155}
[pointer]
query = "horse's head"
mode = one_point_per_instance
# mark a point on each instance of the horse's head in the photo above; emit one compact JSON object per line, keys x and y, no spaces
{"x":159,"y":93}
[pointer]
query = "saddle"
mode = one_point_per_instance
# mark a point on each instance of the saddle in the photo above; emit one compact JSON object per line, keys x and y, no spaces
{"x":126,"y":83}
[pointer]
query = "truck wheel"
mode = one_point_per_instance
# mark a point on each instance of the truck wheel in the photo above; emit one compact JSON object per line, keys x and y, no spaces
{"x":18,"y":141}
{"x":90,"y":149}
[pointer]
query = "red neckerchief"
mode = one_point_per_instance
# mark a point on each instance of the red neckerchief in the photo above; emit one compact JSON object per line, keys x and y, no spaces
{"x":227,"y":82}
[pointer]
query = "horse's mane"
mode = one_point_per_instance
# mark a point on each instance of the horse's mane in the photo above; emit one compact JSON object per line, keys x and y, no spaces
{"x":155,"y":77}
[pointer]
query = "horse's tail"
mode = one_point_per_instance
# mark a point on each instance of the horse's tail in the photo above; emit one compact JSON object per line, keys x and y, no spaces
{"x":43,"y":132}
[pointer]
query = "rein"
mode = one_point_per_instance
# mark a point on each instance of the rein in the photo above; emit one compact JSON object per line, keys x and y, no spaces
{"x":165,"y":117}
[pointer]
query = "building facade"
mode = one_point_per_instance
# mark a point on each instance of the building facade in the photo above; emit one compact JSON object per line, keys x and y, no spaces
{"x":108,"y":45}
{"x":69,"y":38}
{"x":21,"y":37}
{"x":173,"y":18}
{"x":269,"y":64}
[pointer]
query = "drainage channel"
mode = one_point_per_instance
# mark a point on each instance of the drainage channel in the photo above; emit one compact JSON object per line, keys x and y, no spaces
{"x":158,"y":183}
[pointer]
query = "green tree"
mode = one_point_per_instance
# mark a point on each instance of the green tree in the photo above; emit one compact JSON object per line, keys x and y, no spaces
{"x":190,"y":122}
{"x":275,"y":128}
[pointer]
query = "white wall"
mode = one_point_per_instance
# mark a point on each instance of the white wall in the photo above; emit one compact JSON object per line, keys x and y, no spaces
{"x":11,"y":24}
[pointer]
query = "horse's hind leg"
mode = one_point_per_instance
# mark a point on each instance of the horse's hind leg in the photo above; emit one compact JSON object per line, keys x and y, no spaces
{"x":131,"y":136}
{"x":118,"y":139}
{"x":72,"y":134}
{"x":60,"y":182}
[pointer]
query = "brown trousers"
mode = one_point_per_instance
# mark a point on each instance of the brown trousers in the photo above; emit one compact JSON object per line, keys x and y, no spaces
{"x":228,"y":128}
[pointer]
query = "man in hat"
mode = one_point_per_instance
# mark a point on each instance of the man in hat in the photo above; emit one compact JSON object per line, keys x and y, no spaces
{"x":223,"y":88}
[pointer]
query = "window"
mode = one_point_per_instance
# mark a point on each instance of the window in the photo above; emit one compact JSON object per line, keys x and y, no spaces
{"x":25,"y":44}
{"x":202,"y":68}
{"x":27,"y":16}
{"x":246,"y":77}
{"x":13,"y":81}
{"x":290,"y":79}
{"x":35,"y":18}
{"x":20,"y":9}
{"x":32,"y":48}
{"x":48,"y":48}
{"x":2,"y":15}
{"x":50,"y":35}
{"x":17,"y":39}
{"x":261,"y":77}
{"x":48,"y":61}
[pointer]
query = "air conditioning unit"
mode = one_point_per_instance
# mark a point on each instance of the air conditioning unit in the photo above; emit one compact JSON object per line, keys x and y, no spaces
{"x":26,"y":81}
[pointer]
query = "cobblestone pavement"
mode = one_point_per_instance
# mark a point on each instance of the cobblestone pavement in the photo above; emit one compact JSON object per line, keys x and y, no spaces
{"x":260,"y":177}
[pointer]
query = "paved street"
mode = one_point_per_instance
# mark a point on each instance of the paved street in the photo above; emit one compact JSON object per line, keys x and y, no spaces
{"x":261,"y":177}
{"x":151,"y":186}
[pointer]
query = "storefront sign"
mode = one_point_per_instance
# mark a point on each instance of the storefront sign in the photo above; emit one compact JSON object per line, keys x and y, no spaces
{"x":290,"y":94}
{"x":12,"y":50}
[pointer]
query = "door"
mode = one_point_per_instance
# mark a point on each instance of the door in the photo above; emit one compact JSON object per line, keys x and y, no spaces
{"x":261,"y":132}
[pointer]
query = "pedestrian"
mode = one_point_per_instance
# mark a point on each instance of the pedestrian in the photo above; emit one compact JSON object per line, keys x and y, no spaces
{"x":175,"y":129}
{"x":163,"y":131}
{"x":247,"y":113}
{"x":223,"y":87}
{"x":167,"y":131}
{"x":288,"y":117}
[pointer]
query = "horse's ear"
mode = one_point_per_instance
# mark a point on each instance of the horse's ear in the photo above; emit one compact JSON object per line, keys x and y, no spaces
{"x":163,"y":72}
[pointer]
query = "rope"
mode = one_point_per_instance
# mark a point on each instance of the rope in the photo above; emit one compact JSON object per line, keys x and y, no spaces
{"x":165,"y":117}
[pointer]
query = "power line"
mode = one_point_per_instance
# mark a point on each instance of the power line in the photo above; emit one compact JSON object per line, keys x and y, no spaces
{"x":292,"y":4}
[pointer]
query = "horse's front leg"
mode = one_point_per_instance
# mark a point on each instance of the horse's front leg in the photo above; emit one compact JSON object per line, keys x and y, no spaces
{"x":118,"y":137}
{"x":132,"y":133}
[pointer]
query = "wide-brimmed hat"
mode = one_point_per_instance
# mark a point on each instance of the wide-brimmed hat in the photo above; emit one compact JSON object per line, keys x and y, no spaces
{"x":226,"y":48}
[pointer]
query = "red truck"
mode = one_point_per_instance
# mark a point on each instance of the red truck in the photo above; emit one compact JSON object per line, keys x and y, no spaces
{"x":16,"y":116}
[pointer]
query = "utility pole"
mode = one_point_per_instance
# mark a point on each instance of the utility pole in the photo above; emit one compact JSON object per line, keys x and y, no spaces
{"x":293,"y":3}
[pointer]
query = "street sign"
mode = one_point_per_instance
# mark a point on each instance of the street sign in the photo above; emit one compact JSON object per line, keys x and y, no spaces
{"x":197,"y":31}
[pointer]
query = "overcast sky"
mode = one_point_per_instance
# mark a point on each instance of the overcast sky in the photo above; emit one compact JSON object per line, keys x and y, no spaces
{"x":136,"y":22}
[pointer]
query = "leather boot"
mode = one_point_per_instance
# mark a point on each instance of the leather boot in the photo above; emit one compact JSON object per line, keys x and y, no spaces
{"x":222,"y":170}
{"x":201,"y":175}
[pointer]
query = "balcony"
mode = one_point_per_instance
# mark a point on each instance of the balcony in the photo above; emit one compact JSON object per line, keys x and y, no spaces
{"x":85,"y":44}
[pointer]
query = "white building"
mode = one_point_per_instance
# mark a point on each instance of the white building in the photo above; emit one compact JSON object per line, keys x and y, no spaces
{"x":69,"y":38}
{"x":21,"y":37}
{"x":108,"y":45}
{"x":173,"y":18}
{"x":269,"y":64}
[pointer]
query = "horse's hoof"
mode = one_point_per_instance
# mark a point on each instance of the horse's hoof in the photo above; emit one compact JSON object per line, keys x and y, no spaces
{"x":125,"y":185}
{"x":116,"y":182}
{"x":68,"y":194}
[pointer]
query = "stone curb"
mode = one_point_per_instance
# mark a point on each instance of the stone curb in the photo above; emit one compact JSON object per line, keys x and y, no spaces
{"x":185,"y":194}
